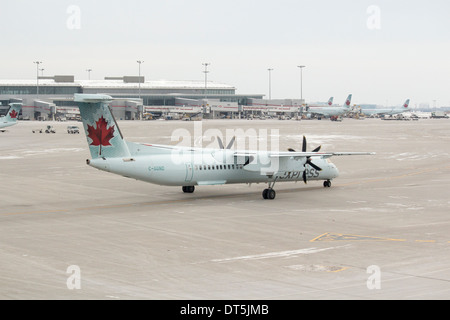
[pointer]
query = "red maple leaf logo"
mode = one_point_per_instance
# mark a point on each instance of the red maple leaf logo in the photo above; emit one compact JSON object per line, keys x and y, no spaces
{"x":101,"y":135}
{"x":13,"y":114}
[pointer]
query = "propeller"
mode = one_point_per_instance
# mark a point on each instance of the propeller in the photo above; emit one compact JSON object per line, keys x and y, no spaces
{"x":308,"y":159}
{"x":230,"y":144}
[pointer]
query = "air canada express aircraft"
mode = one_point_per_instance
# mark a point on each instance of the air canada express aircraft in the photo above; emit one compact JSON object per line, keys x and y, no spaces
{"x":10,"y":118}
{"x":189,"y":167}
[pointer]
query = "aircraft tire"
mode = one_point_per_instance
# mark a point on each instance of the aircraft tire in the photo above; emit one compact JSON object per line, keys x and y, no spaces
{"x":188,"y":189}
{"x":269,"y":194}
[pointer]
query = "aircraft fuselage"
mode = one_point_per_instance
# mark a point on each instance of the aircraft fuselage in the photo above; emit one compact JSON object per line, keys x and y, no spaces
{"x":213,"y":167}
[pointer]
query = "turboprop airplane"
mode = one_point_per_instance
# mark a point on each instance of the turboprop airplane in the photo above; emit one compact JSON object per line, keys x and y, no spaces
{"x":330,"y":111}
{"x":387,"y":111}
{"x":190,"y":167}
{"x":10,"y":118}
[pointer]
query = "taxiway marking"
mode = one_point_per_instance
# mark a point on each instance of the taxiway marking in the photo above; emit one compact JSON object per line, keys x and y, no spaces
{"x":279,"y":254}
{"x":349,"y":237}
{"x":328,"y":237}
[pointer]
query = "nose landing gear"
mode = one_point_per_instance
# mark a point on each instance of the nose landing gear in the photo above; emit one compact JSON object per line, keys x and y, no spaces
{"x":188,"y":189}
{"x":327,"y":183}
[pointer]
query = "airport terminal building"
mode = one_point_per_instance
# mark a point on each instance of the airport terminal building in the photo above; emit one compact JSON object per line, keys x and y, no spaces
{"x":51,"y":98}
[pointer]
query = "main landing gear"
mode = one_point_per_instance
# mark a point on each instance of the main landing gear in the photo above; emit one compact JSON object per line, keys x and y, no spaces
{"x":269,"y":193}
{"x":188,"y":189}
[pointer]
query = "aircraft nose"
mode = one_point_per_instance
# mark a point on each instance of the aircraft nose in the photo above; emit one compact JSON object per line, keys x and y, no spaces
{"x":334,"y":170}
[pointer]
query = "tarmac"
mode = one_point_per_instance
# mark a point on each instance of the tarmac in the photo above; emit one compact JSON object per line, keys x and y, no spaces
{"x":382,"y":231}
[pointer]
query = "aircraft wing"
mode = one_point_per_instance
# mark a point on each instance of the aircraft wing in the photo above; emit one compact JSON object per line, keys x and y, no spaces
{"x":297,"y":155}
{"x":350,"y":154}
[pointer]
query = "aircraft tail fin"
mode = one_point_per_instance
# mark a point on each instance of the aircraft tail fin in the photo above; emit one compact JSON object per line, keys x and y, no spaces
{"x":102,"y":132}
{"x":330,"y":101}
{"x":348,"y":101}
{"x":406,"y":104}
{"x":13,"y":112}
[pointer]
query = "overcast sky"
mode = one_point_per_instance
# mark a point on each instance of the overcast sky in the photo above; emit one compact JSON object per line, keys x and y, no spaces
{"x":380,"y":51}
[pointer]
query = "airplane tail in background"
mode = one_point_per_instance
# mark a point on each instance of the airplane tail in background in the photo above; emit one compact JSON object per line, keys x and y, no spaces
{"x":406,"y":105}
{"x":11,"y":116}
{"x":348,"y":101}
{"x":13,"y":112}
{"x":330,"y":101}
{"x":102,"y":132}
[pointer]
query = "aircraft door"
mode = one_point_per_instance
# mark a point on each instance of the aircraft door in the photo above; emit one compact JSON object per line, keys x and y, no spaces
{"x":189,"y":172}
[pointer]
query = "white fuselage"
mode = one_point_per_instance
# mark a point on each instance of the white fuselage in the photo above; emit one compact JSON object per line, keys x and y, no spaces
{"x":390,"y":111}
{"x":327,"y":111}
{"x":5,"y":124}
{"x":212,"y":167}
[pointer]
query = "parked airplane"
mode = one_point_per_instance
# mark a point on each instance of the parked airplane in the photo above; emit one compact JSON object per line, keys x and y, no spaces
{"x":330,"y":111}
{"x":387,"y":111}
{"x":188,"y":167}
{"x":10,"y":118}
{"x":329,"y":103}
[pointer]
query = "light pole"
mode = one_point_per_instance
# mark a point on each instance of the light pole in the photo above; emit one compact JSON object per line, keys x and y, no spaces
{"x":37,"y":77}
{"x":301,"y":82}
{"x":89,"y":73}
{"x":206,"y":78}
{"x":270,"y":83}
{"x":140,"y":62}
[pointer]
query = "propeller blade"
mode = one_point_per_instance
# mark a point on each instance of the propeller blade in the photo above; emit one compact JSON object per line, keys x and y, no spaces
{"x":304,"y":176}
{"x":220,"y":143}
{"x":313,"y":165}
{"x":231,"y":143}
{"x":304,"y":144}
{"x":317,"y":149}
{"x":291,"y":150}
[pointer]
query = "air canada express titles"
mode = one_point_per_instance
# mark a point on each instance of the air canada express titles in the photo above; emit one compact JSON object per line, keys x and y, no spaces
{"x":227,"y":309}
{"x":297,"y":175}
